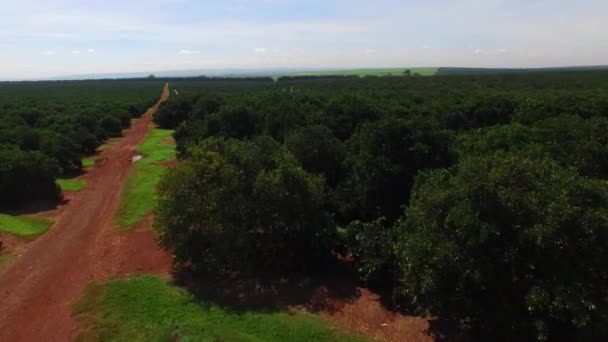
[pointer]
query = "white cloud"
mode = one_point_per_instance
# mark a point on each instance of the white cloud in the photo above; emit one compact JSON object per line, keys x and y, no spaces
{"x":91,"y":50}
{"x":49,"y":53}
{"x":187,"y":52}
{"x":76,"y":52}
{"x":503,"y":51}
{"x":477,"y":52}
{"x":427,"y":47}
{"x":259,"y":51}
{"x":371,"y":51}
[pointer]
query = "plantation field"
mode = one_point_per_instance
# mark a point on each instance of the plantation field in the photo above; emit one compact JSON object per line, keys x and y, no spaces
{"x":47,"y":128}
{"x":496,"y":183}
{"x":148,"y":308}
{"x":139,"y":194}
{"x":23,"y":226}
{"x":372,"y":72}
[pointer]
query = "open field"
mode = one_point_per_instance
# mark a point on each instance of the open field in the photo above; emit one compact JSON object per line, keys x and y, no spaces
{"x":24,"y":226}
{"x":139,"y":194}
{"x":147,"y":308}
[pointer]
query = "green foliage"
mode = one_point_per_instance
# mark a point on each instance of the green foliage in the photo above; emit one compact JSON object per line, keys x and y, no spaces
{"x":319,"y":151}
{"x":511,"y":174}
{"x":516,"y":245}
{"x":149,"y":309}
{"x":257,"y":200}
{"x":139,"y":194}
{"x":26,"y":175}
{"x":384,"y":156}
{"x":24,"y":226}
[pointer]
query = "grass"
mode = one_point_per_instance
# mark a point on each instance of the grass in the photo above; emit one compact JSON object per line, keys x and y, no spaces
{"x":73,"y":184}
{"x":139,"y":194}
{"x":88,"y":162}
{"x":108,"y":144}
{"x":24,"y":226}
{"x":4,"y":259}
{"x":147,"y":308}
{"x":373,"y":72}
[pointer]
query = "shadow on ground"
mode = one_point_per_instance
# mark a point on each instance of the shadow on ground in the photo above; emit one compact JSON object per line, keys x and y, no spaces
{"x":270,"y":292}
{"x":327,"y":293}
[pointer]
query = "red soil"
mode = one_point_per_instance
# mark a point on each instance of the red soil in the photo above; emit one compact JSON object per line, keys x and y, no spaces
{"x":39,"y":287}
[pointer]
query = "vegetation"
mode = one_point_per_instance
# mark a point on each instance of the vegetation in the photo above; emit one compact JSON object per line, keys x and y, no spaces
{"x":88,"y":162}
{"x":73,"y":184}
{"x":139,"y":194}
{"x":373,"y":72}
{"x":23,"y":226}
{"x":147,"y":308}
{"x":47,"y":127}
{"x":478,"y":198}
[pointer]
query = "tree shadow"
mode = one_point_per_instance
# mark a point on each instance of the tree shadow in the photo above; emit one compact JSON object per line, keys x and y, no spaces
{"x":36,"y":207}
{"x":269,"y":292}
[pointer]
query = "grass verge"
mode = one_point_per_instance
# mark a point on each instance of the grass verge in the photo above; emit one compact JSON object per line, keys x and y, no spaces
{"x":139,"y":195}
{"x":73,"y":184}
{"x":88,"y":162}
{"x":147,"y":308}
{"x":108,"y":144}
{"x":24,"y":226}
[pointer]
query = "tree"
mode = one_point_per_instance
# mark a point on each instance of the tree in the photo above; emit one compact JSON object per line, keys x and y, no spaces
{"x":319,"y":152}
{"x":259,"y":210}
{"x":112,"y":126}
{"x":26,"y":176}
{"x":514,"y":245}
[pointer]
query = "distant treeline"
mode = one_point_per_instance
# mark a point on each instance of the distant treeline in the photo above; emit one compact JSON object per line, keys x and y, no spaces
{"x":497,"y":71}
{"x":482,"y":199}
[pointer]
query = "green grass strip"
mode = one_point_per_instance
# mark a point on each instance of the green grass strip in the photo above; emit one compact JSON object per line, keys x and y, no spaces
{"x":139,"y":194}
{"x":88,"y":162}
{"x":24,"y":226}
{"x":71,"y":184}
{"x":147,"y":308}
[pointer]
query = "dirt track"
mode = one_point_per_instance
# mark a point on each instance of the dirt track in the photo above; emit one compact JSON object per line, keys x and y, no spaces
{"x":38,"y":289}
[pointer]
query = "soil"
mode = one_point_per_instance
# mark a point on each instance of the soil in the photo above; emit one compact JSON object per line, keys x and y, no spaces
{"x":39,"y":286}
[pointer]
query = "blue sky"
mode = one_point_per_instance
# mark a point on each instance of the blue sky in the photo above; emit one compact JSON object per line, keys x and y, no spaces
{"x":63,"y":37}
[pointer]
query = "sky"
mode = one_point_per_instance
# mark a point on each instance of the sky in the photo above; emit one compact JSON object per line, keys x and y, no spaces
{"x":65,"y":37}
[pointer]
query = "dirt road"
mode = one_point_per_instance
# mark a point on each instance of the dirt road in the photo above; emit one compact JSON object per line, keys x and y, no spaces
{"x":38,"y":289}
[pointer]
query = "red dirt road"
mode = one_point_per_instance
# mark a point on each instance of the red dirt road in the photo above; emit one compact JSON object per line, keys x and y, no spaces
{"x":38,"y":288}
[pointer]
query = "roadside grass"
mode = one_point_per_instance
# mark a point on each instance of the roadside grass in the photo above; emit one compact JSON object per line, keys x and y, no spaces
{"x":88,"y":162}
{"x":24,"y":226}
{"x":139,"y":195}
{"x":4,"y":259}
{"x":108,"y":144}
{"x":147,"y":308}
{"x":73,"y":184}
{"x":373,"y":72}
